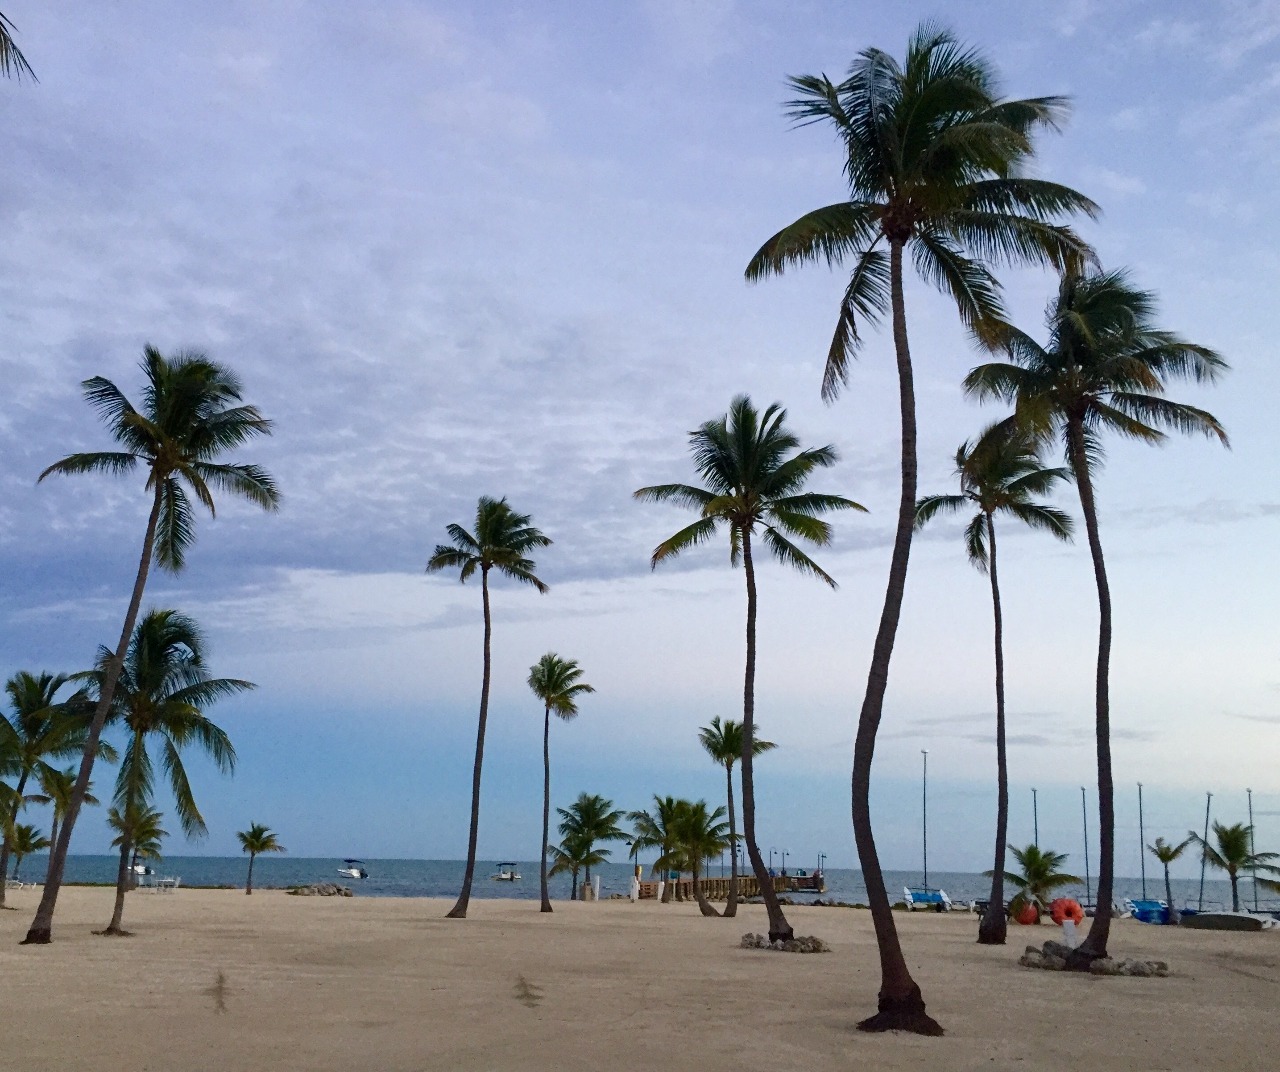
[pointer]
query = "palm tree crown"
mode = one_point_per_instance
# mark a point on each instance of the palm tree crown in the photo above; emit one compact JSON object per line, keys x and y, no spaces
{"x":12,"y":62}
{"x":722,"y":741}
{"x":501,"y":541}
{"x":1234,"y":853}
{"x":1039,"y":876}
{"x":556,"y":682}
{"x":259,"y":838}
{"x":138,"y":830}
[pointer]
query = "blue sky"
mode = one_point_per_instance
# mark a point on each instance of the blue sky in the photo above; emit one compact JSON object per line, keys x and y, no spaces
{"x":460,"y":249}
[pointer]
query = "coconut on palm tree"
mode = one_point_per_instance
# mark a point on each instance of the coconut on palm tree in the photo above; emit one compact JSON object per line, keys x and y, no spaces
{"x":1166,"y":854}
{"x":257,"y":839}
{"x":1233,"y":853}
{"x":192,"y":415}
{"x":556,"y":682}
{"x":1038,"y":879}
{"x":588,"y":820}
{"x":502,"y":541}
{"x":935,"y":162}
{"x":24,"y":840}
{"x":13,"y":64}
{"x":754,"y":475}
{"x":700,"y":835}
{"x":161,"y":698}
{"x":1105,"y":369}
{"x":723,"y":743}
{"x":656,"y":829}
{"x":999,"y":474}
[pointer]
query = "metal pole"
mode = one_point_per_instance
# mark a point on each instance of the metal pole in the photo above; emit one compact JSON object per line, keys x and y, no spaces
{"x":771,"y":851}
{"x":1142,"y":844}
{"x":924,"y":815}
{"x":1203,"y":858}
{"x":1035,"y":817}
{"x":1253,"y":851}
{"x":784,"y":861}
{"x":1084,"y":815}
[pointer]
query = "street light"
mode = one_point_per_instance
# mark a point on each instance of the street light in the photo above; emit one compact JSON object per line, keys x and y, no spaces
{"x":771,"y":852}
{"x":822,"y":859}
{"x":784,"y":861}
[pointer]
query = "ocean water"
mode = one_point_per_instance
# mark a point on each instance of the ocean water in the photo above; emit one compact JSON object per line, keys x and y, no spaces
{"x":443,"y":878}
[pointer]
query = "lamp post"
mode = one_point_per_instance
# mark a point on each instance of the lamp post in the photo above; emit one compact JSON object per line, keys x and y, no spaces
{"x":1084,"y":816}
{"x":1203,"y":858}
{"x":784,"y":861}
{"x":924,"y":816}
{"x":1253,"y":850}
{"x":1142,"y":844}
{"x":822,"y":859}
{"x":771,"y":852}
{"x":1035,"y":817}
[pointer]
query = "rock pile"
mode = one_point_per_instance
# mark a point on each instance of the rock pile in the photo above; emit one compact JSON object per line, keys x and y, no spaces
{"x":1052,"y":956}
{"x":803,"y":944}
{"x":321,"y":889}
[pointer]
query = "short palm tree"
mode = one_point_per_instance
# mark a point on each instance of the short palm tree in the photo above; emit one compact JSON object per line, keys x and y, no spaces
{"x":502,"y":541}
{"x":1106,"y":368}
{"x":138,"y":837}
{"x":999,"y":474}
{"x":700,"y":835}
{"x":1234,"y":853}
{"x":723,"y":743}
{"x":13,"y":64}
{"x":192,"y":414}
{"x":557,"y":683}
{"x":588,"y":820}
{"x":572,"y":855}
{"x":1038,"y":879}
{"x":161,"y":697}
{"x":25,"y":840}
{"x":257,"y":839}
{"x":935,"y":163}
{"x":1166,"y":854}
{"x":754,"y":477}
{"x":55,"y":790}
{"x":656,"y":829}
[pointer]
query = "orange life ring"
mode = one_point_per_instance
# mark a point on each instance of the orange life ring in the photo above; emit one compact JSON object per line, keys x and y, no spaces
{"x":1066,"y":908}
{"x":1028,"y":914}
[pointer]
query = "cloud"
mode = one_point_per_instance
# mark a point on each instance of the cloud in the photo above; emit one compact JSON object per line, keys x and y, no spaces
{"x":1115,"y":182}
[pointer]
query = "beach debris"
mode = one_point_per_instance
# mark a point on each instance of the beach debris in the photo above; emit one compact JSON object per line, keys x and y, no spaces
{"x":218,"y":992}
{"x":1052,"y":956}
{"x":528,"y":994}
{"x":803,"y":944}
{"x":320,"y":889}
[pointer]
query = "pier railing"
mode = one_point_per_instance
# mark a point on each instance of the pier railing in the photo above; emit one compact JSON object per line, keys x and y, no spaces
{"x":717,"y":889}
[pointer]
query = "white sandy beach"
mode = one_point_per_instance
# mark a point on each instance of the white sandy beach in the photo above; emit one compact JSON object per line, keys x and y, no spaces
{"x":386,"y":984}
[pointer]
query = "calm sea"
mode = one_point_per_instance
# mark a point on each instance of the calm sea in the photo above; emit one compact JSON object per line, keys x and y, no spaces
{"x":442,"y":878}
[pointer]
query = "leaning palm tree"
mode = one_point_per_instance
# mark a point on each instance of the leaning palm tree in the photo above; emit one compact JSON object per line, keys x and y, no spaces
{"x":13,"y":64}
{"x":55,"y":790}
{"x":24,"y":840}
{"x":754,"y":475}
{"x":999,"y":474}
{"x":656,"y":829}
{"x":192,"y":414}
{"x":161,"y":696}
{"x":1038,"y":879}
{"x":935,"y":164}
{"x":700,"y":835}
{"x":723,"y":743}
{"x":1166,"y":854}
{"x":502,"y":542}
{"x":1105,"y":368}
{"x":1234,"y":853}
{"x":257,"y":839}
{"x":555,"y":681}
{"x":590,"y":819}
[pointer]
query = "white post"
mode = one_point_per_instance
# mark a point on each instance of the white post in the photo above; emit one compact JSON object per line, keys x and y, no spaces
{"x":596,"y":892}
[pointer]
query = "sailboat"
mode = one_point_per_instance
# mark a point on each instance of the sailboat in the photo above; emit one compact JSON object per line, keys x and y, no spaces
{"x":925,"y":896}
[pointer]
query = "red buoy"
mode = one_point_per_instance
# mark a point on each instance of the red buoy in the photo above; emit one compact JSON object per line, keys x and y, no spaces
{"x":1066,"y":908}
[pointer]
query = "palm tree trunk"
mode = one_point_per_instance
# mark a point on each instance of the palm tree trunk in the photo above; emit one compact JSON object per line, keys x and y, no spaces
{"x":41,"y":929}
{"x":901,"y":1005}
{"x":667,"y":891}
{"x":1235,"y":891}
{"x":993,"y":928}
{"x":546,"y":803}
{"x":704,"y":906}
{"x":573,"y":892}
{"x":1174,"y":916}
{"x":731,"y":908}
{"x":779,"y":928}
{"x":122,"y":884}
{"x":5,"y":848}
{"x":248,"y":882}
{"x":459,"y":910}
{"x":1095,"y":944}
{"x":17,"y":863}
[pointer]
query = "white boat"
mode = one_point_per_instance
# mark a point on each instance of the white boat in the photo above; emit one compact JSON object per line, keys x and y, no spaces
{"x":142,"y":869}
{"x":506,"y":872}
{"x":354,"y":869}
{"x":926,"y":898}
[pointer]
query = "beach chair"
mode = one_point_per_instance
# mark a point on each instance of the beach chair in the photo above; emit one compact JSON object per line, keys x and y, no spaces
{"x":12,"y":884}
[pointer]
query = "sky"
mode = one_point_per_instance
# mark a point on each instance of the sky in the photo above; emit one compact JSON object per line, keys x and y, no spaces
{"x":458,"y":250}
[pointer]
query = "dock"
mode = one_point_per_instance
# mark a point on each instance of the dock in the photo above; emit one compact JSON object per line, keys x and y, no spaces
{"x":717,"y":889}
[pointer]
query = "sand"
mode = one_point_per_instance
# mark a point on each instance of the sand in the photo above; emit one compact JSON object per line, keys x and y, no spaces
{"x":219,"y":981}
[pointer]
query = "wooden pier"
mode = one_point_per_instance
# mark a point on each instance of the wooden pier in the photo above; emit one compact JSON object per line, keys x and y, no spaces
{"x":717,"y":889}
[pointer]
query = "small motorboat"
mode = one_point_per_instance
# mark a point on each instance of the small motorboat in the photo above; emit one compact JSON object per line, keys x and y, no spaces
{"x":506,"y":872}
{"x":142,"y":869}
{"x":354,"y":869}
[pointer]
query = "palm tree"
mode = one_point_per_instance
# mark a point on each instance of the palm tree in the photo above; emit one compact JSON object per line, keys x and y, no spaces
{"x":555,"y":681}
{"x":12,"y":62}
{"x":1234,"y":853}
{"x":39,"y":728}
{"x":934,"y":161}
{"x":161,"y":696}
{"x":138,"y":832}
{"x":755,"y":476}
{"x":656,"y":830}
{"x":700,"y":835}
{"x":589,"y":819}
{"x":25,"y":840}
{"x":502,"y":541}
{"x":55,"y":790}
{"x":723,"y":743}
{"x":572,"y":855}
{"x":258,"y":838}
{"x":1106,"y":368}
{"x":1166,"y":854}
{"x":1039,"y":878}
{"x":999,"y":474}
{"x":192,"y":414}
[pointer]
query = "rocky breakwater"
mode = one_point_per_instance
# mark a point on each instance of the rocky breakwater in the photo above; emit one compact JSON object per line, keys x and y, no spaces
{"x":320,"y":889}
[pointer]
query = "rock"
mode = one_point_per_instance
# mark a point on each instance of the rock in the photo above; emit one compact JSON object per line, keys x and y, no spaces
{"x":321,"y":889}
{"x":1055,"y":949}
{"x":1032,"y":958}
{"x":1104,"y":966}
{"x":803,"y":944}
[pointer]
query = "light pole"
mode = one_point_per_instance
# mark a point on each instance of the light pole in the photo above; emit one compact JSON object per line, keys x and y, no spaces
{"x":822,"y":859}
{"x":1035,"y":817}
{"x":784,"y":861}
{"x":1142,"y":844}
{"x":1084,"y":815}
{"x":771,"y":852}
{"x":1203,"y":858}
{"x":924,"y":815}
{"x":1253,"y":850}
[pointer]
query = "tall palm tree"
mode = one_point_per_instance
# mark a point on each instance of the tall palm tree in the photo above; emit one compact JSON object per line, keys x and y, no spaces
{"x":1038,"y":879}
{"x":502,"y":541}
{"x":1234,"y":853}
{"x":723,"y":743}
{"x":55,"y":790}
{"x":934,"y":160}
{"x":700,"y":835}
{"x":13,"y":64}
{"x":590,"y":819}
{"x":656,"y":829}
{"x":1166,"y":854}
{"x":555,"y":681}
{"x":754,"y":475}
{"x":161,"y":697}
{"x":999,"y":474}
{"x":192,"y":414}
{"x":39,"y":728}
{"x":24,"y":840}
{"x":1106,"y":368}
{"x":257,"y":839}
